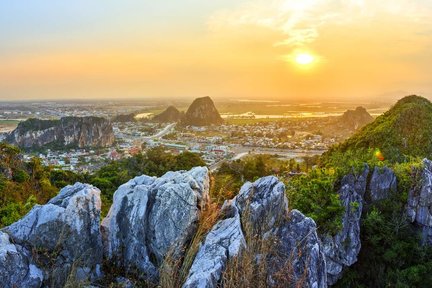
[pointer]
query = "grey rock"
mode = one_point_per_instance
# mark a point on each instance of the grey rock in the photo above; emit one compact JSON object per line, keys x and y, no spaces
{"x":419,"y":207}
{"x":382,"y":183}
{"x":299,"y":250}
{"x":262,"y":203}
{"x":16,"y":267}
{"x":260,"y":213}
{"x":224,"y":242}
{"x":65,"y":235}
{"x":153,"y":216}
{"x":341,"y":250}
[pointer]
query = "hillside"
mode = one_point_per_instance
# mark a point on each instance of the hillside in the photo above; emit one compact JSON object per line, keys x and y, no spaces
{"x":77,"y":132}
{"x":202,"y":112}
{"x":403,"y":131}
{"x":171,"y":114}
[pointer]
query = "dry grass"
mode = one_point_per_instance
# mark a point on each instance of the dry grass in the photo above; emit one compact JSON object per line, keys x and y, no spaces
{"x":173,"y":271}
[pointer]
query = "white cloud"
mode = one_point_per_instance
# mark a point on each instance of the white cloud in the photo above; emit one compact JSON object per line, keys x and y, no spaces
{"x":300,"y":21}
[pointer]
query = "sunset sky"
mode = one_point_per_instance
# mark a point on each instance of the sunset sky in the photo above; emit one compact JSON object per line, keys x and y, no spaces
{"x":287,"y":49}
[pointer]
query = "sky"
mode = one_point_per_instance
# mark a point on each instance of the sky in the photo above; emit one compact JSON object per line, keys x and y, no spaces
{"x":318,"y":50}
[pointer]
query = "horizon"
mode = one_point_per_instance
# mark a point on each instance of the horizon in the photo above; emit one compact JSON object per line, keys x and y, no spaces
{"x":281,"y":50}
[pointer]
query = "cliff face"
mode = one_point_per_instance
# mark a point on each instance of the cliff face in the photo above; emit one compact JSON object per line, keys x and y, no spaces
{"x":202,"y":112}
{"x":357,"y":118}
{"x":78,"y":132}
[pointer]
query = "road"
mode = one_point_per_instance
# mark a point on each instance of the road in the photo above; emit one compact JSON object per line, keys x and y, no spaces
{"x":168,"y":129}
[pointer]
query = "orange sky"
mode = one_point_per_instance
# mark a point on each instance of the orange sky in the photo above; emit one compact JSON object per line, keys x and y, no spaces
{"x":226,"y":49}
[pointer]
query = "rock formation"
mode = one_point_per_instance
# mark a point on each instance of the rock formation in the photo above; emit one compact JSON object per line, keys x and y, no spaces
{"x":355,"y":119}
{"x":56,"y":243}
{"x":342,"y":249}
{"x":171,"y":114}
{"x":153,"y":216}
{"x":419,"y":208}
{"x":79,"y":132}
{"x":260,"y":213}
{"x":202,"y":112}
{"x":382,"y":184}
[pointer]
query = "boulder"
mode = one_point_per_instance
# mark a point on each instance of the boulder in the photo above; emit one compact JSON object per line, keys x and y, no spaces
{"x":153,"y":216}
{"x":260,"y":213}
{"x":341,"y":250}
{"x":64,"y":236}
{"x":382,"y":183}
{"x":16,"y":266}
{"x":419,"y":208}
{"x":297,"y":249}
{"x":224,"y":242}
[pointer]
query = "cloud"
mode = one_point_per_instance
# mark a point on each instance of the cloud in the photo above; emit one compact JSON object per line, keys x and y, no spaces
{"x":300,"y":22}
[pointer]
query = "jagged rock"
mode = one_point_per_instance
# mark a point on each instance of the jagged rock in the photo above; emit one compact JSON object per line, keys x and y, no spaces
{"x":298,"y":249}
{"x":263,"y":203}
{"x":152,"y":216}
{"x":419,"y":208}
{"x":202,"y":112}
{"x":382,"y":183}
{"x":342,"y":249}
{"x":16,"y":267}
{"x":64,"y":235}
{"x":80,"y":132}
{"x":225,"y":241}
{"x":354,"y":119}
{"x":260,"y":213}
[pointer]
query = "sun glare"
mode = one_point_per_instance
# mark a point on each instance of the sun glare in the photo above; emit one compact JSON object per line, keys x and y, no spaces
{"x":304,"y":58}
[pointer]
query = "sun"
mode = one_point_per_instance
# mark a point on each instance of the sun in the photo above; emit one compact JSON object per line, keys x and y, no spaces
{"x":304,"y":58}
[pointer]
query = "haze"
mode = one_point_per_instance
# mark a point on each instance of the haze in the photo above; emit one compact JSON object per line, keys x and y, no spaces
{"x":309,"y":50}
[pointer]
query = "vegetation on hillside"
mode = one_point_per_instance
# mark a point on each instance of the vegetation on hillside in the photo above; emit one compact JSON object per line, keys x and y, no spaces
{"x":402,"y":132}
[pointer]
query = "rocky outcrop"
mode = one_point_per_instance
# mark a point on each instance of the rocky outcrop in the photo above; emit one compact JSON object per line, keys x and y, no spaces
{"x":225,"y":241}
{"x":419,"y":208}
{"x":171,"y":114}
{"x":79,"y":132}
{"x":342,"y":249}
{"x":382,"y":184}
{"x":355,"y":119}
{"x":16,"y":266}
{"x":202,"y":112}
{"x":260,"y":213}
{"x":153,"y":216}
{"x":61,"y":238}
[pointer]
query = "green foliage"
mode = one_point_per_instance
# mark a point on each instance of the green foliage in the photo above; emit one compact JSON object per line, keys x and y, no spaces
{"x":314,"y":195}
{"x":24,"y":184}
{"x":403,"y":131}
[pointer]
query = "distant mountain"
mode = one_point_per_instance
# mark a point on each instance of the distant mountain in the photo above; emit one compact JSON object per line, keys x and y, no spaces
{"x":79,"y":132}
{"x":171,"y":114}
{"x":125,"y":118}
{"x":404,"y":130}
{"x":355,"y":119}
{"x":202,"y":112}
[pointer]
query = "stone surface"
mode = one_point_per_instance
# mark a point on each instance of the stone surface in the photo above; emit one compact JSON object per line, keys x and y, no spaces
{"x":298,"y":249}
{"x":260,"y":213}
{"x":153,"y":216}
{"x":342,"y":249}
{"x":419,"y":208}
{"x":80,"y":132}
{"x":64,"y":234}
{"x":16,"y":267}
{"x":224,"y":242}
{"x":382,"y":183}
